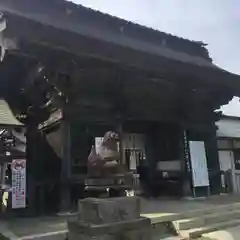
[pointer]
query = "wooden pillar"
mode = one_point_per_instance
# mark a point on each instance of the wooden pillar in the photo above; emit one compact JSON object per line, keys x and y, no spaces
{"x":118,"y":112}
{"x":31,"y":167}
{"x":213,"y":161}
{"x":151,"y":161}
{"x":65,"y":192}
{"x":185,"y":156}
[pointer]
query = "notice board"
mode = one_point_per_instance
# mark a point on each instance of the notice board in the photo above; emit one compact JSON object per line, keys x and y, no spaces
{"x":198,"y":164}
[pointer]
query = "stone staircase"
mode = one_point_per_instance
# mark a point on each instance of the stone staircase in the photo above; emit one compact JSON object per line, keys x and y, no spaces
{"x":193,"y":224}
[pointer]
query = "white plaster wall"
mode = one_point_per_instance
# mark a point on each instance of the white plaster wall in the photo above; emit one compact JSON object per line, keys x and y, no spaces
{"x":228,"y":128}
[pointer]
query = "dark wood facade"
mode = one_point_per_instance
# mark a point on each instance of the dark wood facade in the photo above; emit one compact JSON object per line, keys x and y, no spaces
{"x":104,"y":73}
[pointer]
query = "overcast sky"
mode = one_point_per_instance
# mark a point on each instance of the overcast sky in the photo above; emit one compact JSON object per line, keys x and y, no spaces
{"x":215,"y":22}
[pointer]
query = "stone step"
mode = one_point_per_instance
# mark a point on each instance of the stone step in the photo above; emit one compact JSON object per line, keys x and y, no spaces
{"x":173,"y":238}
{"x":199,"y":221}
{"x":162,"y":231}
{"x":169,"y":217}
{"x":198,"y":232}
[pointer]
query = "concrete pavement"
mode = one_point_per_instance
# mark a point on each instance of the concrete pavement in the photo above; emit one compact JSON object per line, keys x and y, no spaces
{"x":37,"y":228}
{"x":227,"y":234}
{"x":55,"y":227}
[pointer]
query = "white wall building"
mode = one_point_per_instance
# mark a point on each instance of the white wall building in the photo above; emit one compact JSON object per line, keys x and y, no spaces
{"x":228,"y":134}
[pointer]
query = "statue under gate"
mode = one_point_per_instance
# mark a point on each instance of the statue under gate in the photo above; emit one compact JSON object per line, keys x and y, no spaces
{"x":106,"y":173}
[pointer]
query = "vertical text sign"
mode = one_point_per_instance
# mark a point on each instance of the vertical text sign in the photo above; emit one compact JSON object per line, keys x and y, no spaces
{"x":18,"y":183}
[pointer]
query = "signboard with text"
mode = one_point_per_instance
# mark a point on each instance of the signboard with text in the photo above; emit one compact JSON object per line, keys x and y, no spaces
{"x":199,"y":164}
{"x":18,"y":183}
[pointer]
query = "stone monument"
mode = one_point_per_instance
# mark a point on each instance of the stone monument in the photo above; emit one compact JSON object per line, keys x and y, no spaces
{"x":109,"y":219}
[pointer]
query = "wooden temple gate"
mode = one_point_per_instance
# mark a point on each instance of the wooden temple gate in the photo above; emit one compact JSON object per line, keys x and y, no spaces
{"x":72,"y":74}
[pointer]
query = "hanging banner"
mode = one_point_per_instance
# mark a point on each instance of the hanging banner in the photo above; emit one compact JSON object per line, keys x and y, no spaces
{"x":18,"y":183}
{"x":199,"y":164}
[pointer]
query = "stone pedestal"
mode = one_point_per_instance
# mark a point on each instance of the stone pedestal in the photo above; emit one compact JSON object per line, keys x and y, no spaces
{"x":110,"y":219}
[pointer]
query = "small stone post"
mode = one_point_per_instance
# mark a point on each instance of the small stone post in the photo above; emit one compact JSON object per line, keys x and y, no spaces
{"x":109,"y":219}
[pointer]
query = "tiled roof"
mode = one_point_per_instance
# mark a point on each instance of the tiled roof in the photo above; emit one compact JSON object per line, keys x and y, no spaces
{"x":6,"y":116}
{"x":73,"y":17}
{"x":136,"y":30}
{"x":60,"y":24}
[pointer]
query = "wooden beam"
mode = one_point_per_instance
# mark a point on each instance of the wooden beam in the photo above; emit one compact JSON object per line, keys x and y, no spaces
{"x":57,"y":40}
